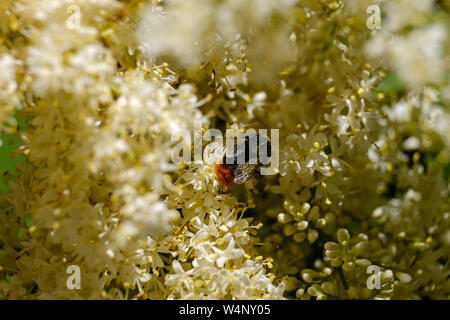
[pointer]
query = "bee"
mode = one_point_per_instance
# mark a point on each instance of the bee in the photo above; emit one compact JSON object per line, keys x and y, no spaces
{"x":241,"y":165}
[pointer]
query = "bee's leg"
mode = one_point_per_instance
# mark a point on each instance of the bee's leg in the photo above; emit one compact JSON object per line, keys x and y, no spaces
{"x":223,"y":189}
{"x":250,"y":186}
{"x":250,"y":200}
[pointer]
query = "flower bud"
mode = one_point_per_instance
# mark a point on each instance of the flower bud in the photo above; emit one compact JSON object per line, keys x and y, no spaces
{"x":404,"y":277}
{"x":299,"y":293}
{"x":284,"y":218}
{"x":353,"y":293}
{"x":327,"y":271}
{"x":302,"y":225}
{"x":333,"y":254}
{"x":291,"y":270}
{"x":308,"y":275}
{"x":343,"y":236}
{"x":305,"y":195}
{"x":289,"y":206}
{"x":364,"y":263}
{"x":313,"y":214}
{"x":377,"y":212}
{"x":312,"y":235}
{"x":329,"y":288}
{"x":289,"y":229}
{"x":304,"y":209}
{"x":292,"y":283}
{"x":348,"y":266}
{"x":299,"y":237}
{"x":336,"y":262}
{"x":358,"y":248}
{"x":313,"y":291}
{"x":329,"y":217}
{"x":332,"y":246}
{"x":387,"y":276}
{"x":320,"y":223}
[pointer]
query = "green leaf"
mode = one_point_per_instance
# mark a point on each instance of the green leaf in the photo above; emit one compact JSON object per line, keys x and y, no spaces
{"x":8,"y":144}
{"x":391,"y":84}
{"x":430,"y":161}
{"x":21,"y":232}
{"x":32,"y":288}
{"x":375,"y":223}
{"x":28,"y":221}
{"x":447,"y":172}
{"x":115,"y":91}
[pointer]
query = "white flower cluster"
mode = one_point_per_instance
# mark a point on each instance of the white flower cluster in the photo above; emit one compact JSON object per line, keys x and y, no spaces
{"x":8,"y":85}
{"x":364,"y":153}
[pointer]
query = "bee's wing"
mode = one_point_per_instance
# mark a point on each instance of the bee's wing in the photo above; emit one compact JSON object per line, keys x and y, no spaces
{"x":243,"y":172}
{"x":216,"y":147}
{"x":216,"y":150}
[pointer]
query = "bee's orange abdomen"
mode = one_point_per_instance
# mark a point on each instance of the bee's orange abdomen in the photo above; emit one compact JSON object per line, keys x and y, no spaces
{"x":224,"y":175}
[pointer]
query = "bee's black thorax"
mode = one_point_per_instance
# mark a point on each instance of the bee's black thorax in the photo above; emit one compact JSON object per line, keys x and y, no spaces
{"x":254,"y":148}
